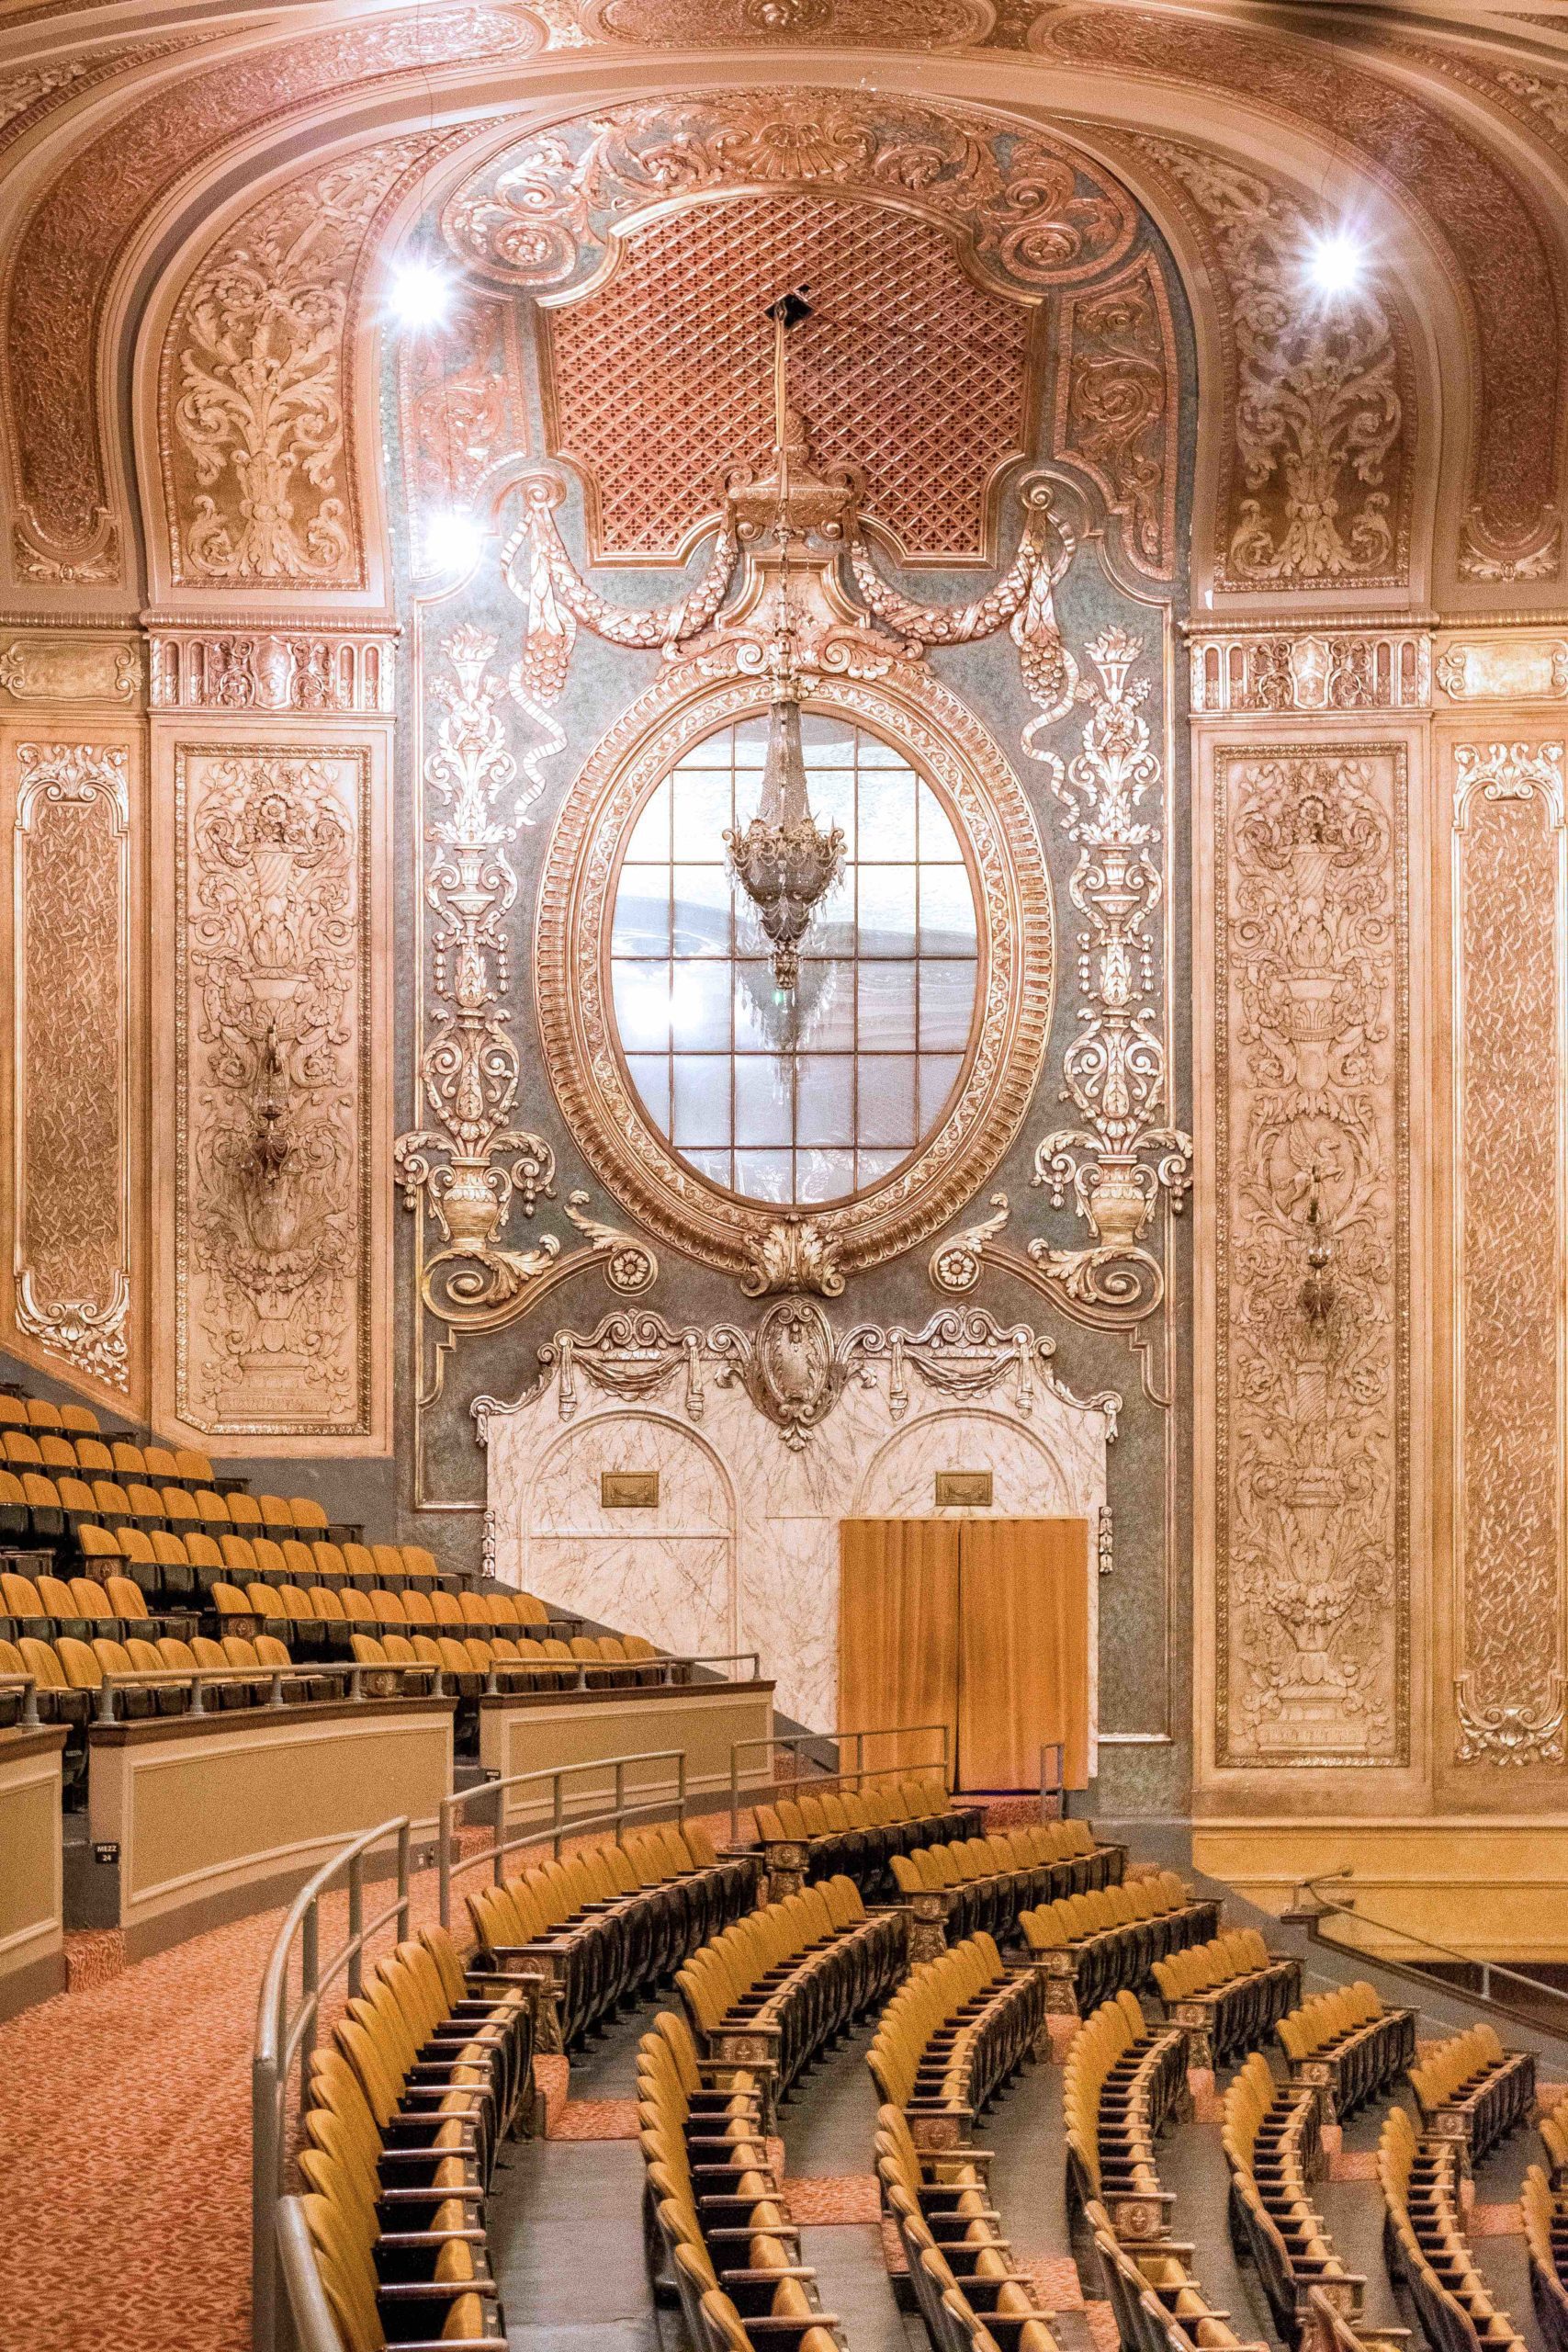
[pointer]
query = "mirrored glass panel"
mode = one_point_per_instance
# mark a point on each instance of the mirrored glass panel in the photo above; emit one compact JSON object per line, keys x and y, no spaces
{"x":808,"y":1096}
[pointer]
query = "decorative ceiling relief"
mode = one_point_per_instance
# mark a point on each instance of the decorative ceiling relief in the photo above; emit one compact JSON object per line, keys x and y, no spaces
{"x":1473,"y":203}
{"x":917,"y":363}
{"x":260,"y":463}
{"x":905,"y":364}
{"x":1116,"y":406}
{"x":1510,"y":918}
{"x":70,"y":983}
{"x":462,"y":403}
{"x":271,"y":1088}
{"x":850,"y":24}
{"x":1317,"y":471}
{"x":76,"y":233}
{"x":1312,"y":1277}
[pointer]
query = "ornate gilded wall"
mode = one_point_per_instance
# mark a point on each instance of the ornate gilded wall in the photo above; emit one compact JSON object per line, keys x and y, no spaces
{"x":1255,"y":713}
{"x":569,"y":662}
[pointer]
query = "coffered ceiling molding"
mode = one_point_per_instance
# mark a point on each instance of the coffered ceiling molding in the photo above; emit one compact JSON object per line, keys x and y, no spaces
{"x":67,"y":526}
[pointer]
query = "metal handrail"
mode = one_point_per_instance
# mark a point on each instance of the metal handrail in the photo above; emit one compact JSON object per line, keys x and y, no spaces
{"x":860,"y":1771}
{"x":560,"y":1825}
{"x":280,"y":2039}
{"x":1540,"y":1992}
{"x":1054,"y":1787}
{"x":28,"y":1685}
{"x":311,"y":2315}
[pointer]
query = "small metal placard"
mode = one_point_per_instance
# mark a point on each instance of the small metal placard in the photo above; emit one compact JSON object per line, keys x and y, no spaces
{"x":963,"y":1489}
{"x":628,"y":1489}
{"x":106,"y":1850}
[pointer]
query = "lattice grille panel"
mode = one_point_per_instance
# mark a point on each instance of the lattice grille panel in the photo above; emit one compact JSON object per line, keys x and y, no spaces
{"x":663,"y":378}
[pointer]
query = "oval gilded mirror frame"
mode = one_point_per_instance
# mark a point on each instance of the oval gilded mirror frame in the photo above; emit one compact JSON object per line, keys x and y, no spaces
{"x":759,"y":1242}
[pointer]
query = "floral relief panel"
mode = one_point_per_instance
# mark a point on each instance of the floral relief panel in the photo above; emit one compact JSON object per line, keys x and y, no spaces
{"x":72,"y":1293}
{"x":1312,"y":1274}
{"x":273,"y":1043}
{"x":1509,"y":1019}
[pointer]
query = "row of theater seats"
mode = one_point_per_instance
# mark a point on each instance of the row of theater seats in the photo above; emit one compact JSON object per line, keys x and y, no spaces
{"x":970,"y":2292}
{"x":603,"y":1924}
{"x":1420,"y":2179}
{"x":1229,"y":1993}
{"x":19,"y":1412}
{"x":969,"y":1883}
{"x":957,"y":2030}
{"x":1348,"y":2046}
{"x":1123,"y":2082}
{"x":856,"y":1832}
{"x":726,"y":2245}
{"x":177,"y":1569}
{"x":1273,"y":2139}
{"x":777,"y":1986}
{"x":1471,"y":2088}
{"x":1092,"y":1945}
{"x":46,"y":1605}
{"x":407,"y":2108}
{"x":1544,"y":2214}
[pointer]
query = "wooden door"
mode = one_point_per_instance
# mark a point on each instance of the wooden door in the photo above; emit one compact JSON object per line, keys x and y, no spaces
{"x":1023,"y":1650}
{"x":898,"y":1632}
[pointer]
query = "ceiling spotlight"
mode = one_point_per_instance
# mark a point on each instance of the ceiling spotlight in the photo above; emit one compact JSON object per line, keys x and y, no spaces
{"x":450,"y":542}
{"x":1335,"y":262}
{"x":420,"y":293}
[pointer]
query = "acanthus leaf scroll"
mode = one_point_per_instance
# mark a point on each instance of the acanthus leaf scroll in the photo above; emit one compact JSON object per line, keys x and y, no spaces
{"x":1313,"y":1139}
{"x":470,"y":1170}
{"x":272,"y":959}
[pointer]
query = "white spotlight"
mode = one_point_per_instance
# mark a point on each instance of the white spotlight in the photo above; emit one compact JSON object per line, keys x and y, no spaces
{"x":449,"y":542}
{"x":1335,"y":262}
{"x":420,"y":292}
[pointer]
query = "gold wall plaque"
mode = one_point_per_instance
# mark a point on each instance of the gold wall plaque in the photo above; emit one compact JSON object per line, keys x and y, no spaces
{"x":628,"y":1489}
{"x":963,"y":1489}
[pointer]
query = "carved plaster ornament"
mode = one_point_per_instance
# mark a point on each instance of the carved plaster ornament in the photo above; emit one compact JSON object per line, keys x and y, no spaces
{"x":475,"y":1165}
{"x":793,"y":1367}
{"x":788,"y":526}
{"x":1118,"y":1161}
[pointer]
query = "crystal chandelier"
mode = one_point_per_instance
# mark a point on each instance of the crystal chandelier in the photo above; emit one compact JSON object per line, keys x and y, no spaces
{"x":784,"y":861}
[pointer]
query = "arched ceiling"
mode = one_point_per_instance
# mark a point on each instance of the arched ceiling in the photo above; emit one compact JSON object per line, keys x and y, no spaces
{"x":136,"y":145}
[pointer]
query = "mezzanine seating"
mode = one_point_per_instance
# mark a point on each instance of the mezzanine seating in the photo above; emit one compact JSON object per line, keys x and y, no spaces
{"x":1121,"y":2084}
{"x":953,"y":2035}
{"x":1157,"y":2304}
{"x":1470,"y":2088}
{"x":1090,"y":1947}
{"x":1348,"y":2046}
{"x":1227,"y":1994}
{"x":961,"y":2267}
{"x":1272,"y":2141}
{"x":1425,"y":2241}
{"x":604,"y":1923}
{"x":1545,"y":2220}
{"x":779,"y":1984}
{"x":957,"y":1888}
{"x":854,"y":1833}
{"x":720,"y":2221}
{"x":427,"y":2072}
